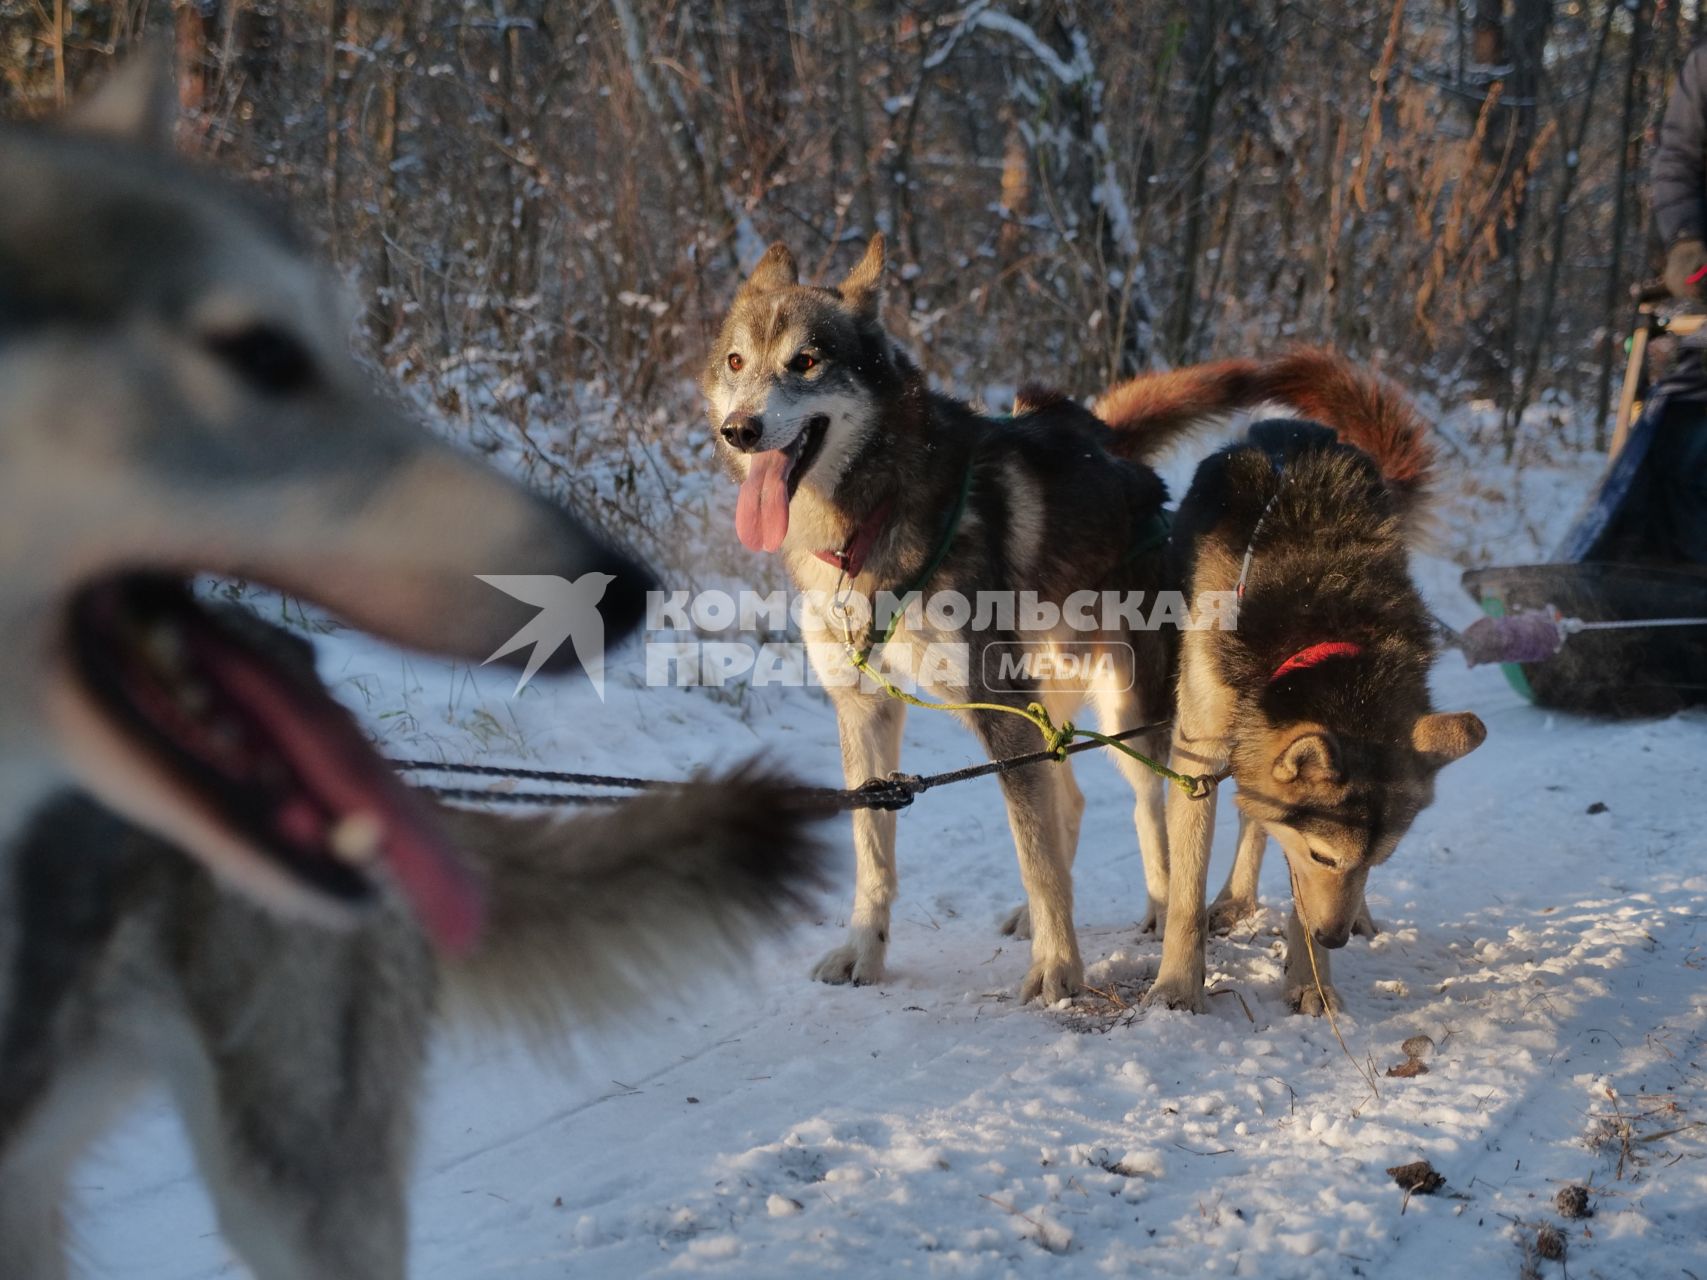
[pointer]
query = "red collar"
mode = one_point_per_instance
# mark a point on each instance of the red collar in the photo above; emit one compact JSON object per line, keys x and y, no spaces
{"x":851,"y":558}
{"x":1315,"y":655}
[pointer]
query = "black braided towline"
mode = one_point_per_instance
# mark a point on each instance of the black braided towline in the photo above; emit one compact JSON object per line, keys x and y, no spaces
{"x":897,"y":791}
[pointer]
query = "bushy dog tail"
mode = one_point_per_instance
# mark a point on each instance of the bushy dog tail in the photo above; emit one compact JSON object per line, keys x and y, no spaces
{"x":1152,"y":411}
{"x":1365,"y":410}
{"x":601,"y":914}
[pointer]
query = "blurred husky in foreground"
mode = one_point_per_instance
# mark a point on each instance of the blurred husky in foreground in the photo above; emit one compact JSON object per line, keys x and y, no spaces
{"x":864,"y":479}
{"x":1317,"y":703}
{"x":174,"y":399}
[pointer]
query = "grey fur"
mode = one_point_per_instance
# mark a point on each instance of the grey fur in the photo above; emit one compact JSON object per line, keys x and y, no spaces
{"x":294,"y":1053}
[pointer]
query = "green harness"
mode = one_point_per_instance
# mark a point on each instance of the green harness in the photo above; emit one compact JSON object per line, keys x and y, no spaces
{"x":1153,"y":536}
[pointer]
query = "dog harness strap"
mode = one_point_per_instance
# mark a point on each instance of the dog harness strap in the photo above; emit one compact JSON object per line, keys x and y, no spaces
{"x":851,"y":558}
{"x":1153,"y":536}
{"x":1315,"y":655}
{"x":1256,"y":532}
{"x":929,"y":571}
{"x":949,"y":531}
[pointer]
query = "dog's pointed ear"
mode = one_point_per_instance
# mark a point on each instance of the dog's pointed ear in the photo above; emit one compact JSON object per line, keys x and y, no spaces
{"x":1310,"y":756}
{"x":776,"y":270}
{"x":136,"y":103}
{"x":1447,"y":736}
{"x":863,"y":287}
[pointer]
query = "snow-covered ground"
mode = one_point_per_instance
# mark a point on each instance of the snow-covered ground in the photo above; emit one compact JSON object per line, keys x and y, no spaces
{"x":1545,"y":928}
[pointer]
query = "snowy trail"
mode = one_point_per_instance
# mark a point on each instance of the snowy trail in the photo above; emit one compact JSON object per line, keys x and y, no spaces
{"x":929,"y":1126}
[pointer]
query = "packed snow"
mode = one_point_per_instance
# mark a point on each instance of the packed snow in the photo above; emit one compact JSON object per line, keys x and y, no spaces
{"x":1544,"y":933}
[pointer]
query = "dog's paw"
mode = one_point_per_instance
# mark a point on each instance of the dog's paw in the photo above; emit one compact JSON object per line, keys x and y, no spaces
{"x":1364,"y":926}
{"x":1171,"y":991}
{"x":1224,"y":913}
{"x":1155,"y":919}
{"x":1052,"y":980}
{"x":1305,"y":999}
{"x":1017,"y":923}
{"x":859,"y":961}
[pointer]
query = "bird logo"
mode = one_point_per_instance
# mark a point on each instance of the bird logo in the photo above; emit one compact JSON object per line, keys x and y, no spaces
{"x":567,"y":611}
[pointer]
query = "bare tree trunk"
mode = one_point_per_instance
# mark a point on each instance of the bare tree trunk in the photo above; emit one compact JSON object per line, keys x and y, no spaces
{"x":1658,"y":68}
{"x":389,"y":51}
{"x":512,"y":110}
{"x":1630,"y":139}
{"x":679,"y":133}
{"x":1016,"y":196}
{"x":1099,"y":198}
{"x":1561,"y":218}
{"x":852,"y":101}
{"x":1459,"y":52}
{"x":1511,"y":53}
{"x":1202,"y":39}
{"x":190,"y":19}
{"x":1226,"y":242}
{"x":57,"y":39}
{"x":901,"y":175}
{"x":332,"y":91}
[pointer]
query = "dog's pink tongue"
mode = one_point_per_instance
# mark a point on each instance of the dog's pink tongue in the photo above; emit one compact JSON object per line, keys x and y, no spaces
{"x":347,"y":780}
{"x":761,"y":512}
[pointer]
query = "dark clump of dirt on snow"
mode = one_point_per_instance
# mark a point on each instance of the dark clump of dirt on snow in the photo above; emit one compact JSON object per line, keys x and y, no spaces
{"x":1550,"y":1244}
{"x":1572,"y":1202}
{"x":1417,"y":1178}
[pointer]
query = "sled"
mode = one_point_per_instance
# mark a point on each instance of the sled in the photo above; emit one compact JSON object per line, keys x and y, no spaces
{"x":1617,"y":624}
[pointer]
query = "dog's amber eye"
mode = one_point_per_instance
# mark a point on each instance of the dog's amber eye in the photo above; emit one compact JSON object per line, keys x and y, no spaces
{"x":735,"y":362}
{"x":803,"y":362}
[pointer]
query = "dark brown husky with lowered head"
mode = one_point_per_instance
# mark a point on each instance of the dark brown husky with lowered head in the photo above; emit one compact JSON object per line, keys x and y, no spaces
{"x":1318,"y":701}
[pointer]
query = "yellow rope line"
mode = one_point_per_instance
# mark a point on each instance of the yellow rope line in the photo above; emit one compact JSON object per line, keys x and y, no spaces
{"x":1056,"y":737}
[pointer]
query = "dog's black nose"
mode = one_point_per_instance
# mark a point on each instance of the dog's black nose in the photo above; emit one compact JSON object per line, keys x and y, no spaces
{"x":743,"y":431}
{"x":1331,"y":941}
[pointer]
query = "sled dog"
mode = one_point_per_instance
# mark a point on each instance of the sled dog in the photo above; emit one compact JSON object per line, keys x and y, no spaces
{"x":174,"y":399}
{"x":1317,"y":702}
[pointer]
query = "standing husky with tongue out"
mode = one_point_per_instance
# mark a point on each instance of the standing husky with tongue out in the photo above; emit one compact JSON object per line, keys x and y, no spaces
{"x":860,"y":476}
